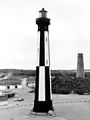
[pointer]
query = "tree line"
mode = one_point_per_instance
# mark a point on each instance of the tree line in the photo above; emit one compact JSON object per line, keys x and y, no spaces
{"x":68,"y":83}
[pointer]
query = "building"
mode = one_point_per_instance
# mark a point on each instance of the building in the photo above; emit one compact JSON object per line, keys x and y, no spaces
{"x":80,"y":66}
{"x":43,"y":94}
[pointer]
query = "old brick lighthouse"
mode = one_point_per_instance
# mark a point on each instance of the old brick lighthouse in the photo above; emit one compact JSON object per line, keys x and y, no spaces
{"x":43,"y":94}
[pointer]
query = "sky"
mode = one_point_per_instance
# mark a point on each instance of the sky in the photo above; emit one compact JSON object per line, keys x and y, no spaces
{"x":69,"y":33}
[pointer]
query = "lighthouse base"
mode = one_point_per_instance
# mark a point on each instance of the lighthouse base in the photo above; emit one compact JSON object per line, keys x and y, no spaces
{"x":42,"y":106}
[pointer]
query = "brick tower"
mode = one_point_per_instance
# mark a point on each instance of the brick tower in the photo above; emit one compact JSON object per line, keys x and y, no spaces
{"x":43,"y":95}
{"x":80,"y":66}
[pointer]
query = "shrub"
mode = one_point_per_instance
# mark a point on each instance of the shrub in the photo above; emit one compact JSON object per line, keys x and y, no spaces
{"x":65,"y":91}
{"x":80,"y":91}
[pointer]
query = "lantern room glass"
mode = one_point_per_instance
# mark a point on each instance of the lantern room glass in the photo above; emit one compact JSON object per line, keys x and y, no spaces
{"x":43,"y":13}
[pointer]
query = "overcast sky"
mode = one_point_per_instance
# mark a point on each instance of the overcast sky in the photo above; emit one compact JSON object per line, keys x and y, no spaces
{"x":69,"y":32}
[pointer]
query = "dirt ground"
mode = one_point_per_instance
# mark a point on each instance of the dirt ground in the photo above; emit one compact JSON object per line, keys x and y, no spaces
{"x":67,"y":107}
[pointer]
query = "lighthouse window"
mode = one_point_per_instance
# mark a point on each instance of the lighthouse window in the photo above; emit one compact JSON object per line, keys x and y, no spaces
{"x":46,"y":39}
{"x":38,"y":49}
{"x":46,"y":61}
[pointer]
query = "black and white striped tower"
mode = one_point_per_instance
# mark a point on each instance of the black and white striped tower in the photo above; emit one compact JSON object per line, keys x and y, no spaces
{"x":43,"y":95}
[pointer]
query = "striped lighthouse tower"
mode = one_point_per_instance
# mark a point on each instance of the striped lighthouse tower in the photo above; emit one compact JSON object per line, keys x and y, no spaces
{"x":43,"y":95}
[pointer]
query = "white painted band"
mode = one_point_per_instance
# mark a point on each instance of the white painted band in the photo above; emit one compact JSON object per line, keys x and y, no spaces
{"x":46,"y":48}
{"x":38,"y":48}
{"x":41,"y":83}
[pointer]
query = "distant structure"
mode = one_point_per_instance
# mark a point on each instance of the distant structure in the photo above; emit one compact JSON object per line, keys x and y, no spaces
{"x":24,"y":82}
{"x":80,"y":66}
{"x":43,"y":95}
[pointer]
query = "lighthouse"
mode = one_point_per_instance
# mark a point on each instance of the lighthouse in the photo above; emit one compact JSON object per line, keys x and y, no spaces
{"x":80,"y":65}
{"x":43,"y":94}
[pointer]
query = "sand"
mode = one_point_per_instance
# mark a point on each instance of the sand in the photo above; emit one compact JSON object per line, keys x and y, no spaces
{"x":67,"y":107}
